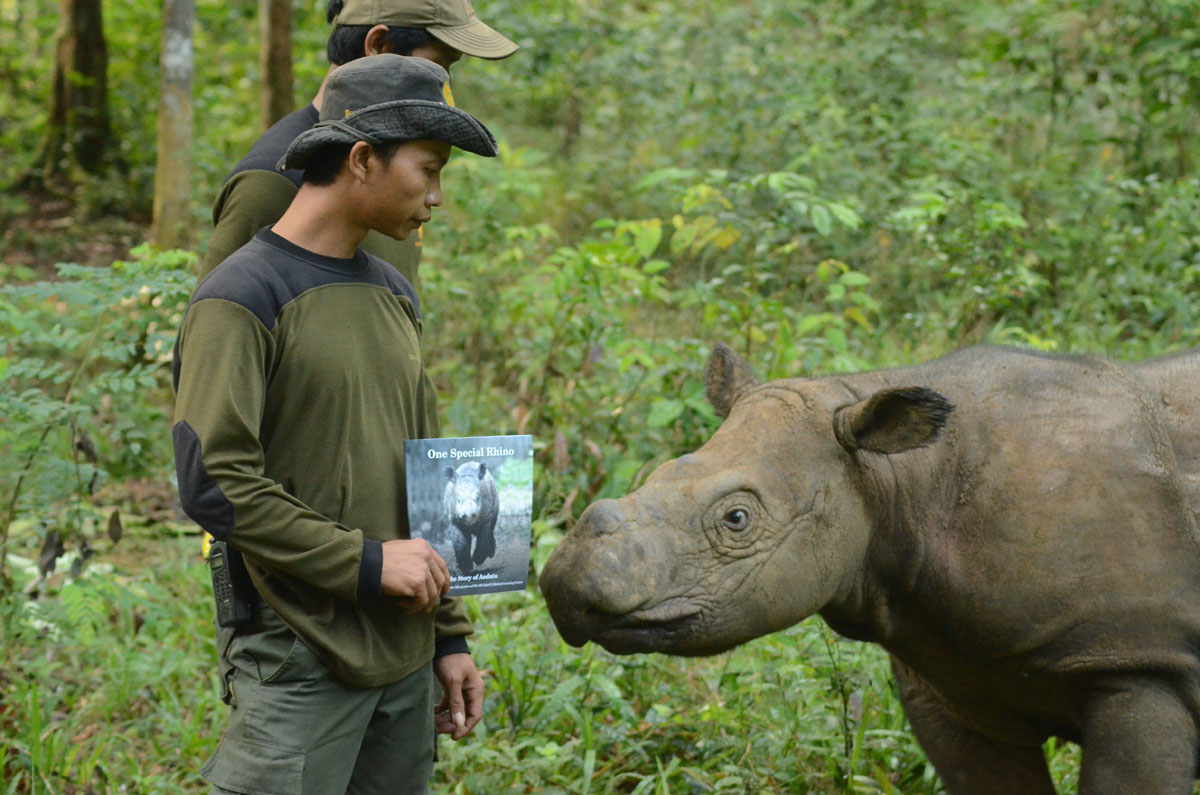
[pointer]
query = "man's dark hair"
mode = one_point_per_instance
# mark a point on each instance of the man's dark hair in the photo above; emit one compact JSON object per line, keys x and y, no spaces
{"x":326,"y":163}
{"x":349,"y":42}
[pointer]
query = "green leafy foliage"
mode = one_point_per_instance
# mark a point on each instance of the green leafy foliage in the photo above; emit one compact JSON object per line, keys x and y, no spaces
{"x":825,"y":186}
{"x":800,"y":712}
{"x":85,"y":369}
{"x":102,"y":690}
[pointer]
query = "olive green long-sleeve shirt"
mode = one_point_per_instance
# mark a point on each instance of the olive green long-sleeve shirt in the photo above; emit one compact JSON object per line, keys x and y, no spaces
{"x":298,"y":378}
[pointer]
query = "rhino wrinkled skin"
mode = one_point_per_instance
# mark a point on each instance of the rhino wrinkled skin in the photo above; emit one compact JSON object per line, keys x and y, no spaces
{"x":1018,"y":530}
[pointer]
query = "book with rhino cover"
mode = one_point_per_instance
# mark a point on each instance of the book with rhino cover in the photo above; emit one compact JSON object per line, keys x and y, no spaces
{"x":471,"y":498}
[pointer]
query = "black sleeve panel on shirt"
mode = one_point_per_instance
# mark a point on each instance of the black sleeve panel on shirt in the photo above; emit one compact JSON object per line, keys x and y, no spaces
{"x":370,"y":572}
{"x":250,"y":282}
{"x":455,"y":644}
{"x":266,"y":284}
{"x":201,"y":497}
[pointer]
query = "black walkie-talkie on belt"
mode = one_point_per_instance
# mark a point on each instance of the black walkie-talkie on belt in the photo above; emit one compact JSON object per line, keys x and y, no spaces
{"x":231,"y":585}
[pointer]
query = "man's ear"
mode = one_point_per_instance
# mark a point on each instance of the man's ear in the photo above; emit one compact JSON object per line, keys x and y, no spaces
{"x":376,"y":42}
{"x":892,"y":421}
{"x":358,"y":161}
{"x":726,"y":379}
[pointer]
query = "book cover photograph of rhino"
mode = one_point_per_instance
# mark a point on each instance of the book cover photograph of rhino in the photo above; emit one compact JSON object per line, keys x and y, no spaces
{"x":475,"y":511}
{"x":855,"y":344}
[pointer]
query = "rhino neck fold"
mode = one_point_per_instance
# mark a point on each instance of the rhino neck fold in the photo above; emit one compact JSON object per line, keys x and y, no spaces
{"x":862,"y":609}
{"x":905,"y":496}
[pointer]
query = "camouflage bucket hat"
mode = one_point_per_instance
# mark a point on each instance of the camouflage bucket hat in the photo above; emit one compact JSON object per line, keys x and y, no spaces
{"x":452,"y":21}
{"x":383,"y":98}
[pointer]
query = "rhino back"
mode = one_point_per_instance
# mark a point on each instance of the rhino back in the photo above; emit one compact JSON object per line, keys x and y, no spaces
{"x":1175,"y":382}
{"x":1052,"y":510}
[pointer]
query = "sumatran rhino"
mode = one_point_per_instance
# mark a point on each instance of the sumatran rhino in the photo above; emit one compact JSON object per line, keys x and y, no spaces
{"x":471,"y":505}
{"x":1018,"y":530}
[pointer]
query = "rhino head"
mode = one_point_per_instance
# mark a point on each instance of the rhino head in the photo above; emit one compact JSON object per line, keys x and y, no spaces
{"x":767,"y":523}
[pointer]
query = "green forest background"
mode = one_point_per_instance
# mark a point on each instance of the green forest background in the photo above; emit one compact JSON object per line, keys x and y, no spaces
{"x":826,"y":186}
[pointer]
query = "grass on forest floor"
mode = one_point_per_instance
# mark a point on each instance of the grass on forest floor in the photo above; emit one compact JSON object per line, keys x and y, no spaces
{"x":109,"y":686}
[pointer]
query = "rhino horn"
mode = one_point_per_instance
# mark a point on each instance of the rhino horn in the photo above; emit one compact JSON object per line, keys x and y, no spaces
{"x":892,"y":421}
{"x":726,"y":379}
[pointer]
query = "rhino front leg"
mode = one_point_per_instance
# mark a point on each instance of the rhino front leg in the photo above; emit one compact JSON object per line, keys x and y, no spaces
{"x":1138,"y":738}
{"x":462,"y":552}
{"x":968,"y":762}
{"x":485,"y":544}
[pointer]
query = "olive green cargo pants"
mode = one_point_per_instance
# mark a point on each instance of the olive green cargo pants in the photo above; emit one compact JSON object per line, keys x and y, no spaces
{"x":294,"y":729}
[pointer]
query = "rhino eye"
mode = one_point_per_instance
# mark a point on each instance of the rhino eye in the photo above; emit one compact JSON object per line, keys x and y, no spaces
{"x":734,"y":523}
{"x":736,"y":519}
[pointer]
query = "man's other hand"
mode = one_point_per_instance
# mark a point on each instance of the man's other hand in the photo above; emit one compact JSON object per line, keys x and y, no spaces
{"x":461,"y":706}
{"x":416,"y":573}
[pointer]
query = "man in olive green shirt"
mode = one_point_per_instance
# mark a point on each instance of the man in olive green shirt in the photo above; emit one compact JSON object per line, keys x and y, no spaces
{"x":255,"y":195}
{"x":298,"y":376}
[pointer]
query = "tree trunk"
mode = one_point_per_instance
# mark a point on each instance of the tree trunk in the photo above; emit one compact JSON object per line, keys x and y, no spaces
{"x":10,"y":48}
{"x":77,"y":131}
{"x":275,"y":59}
{"x":172,"y":226}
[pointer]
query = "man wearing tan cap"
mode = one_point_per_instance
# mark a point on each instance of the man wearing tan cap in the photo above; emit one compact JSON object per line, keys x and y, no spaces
{"x":255,"y":194}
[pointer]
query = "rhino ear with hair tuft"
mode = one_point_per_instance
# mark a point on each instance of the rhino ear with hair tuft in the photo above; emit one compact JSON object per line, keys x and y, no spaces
{"x":893,"y":420}
{"x":726,"y":379}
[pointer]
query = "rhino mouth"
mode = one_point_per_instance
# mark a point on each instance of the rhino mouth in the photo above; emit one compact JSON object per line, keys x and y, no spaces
{"x":643,"y":630}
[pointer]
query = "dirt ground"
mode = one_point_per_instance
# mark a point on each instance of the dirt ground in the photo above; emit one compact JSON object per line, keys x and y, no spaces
{"x":39,"y":230}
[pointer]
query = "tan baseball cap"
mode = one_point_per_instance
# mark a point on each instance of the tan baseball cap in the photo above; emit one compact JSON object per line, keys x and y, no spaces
{"x":451,"y":21}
